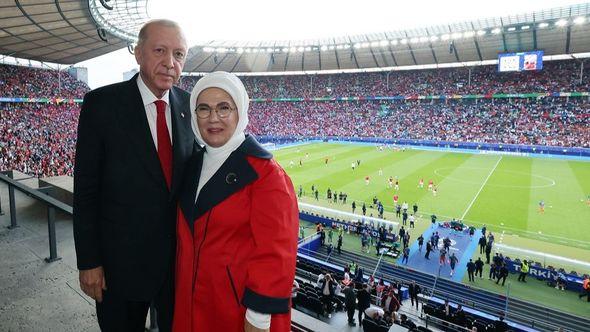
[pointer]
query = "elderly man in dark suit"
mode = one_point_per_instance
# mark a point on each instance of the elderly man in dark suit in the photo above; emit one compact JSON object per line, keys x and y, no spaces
{"x":134,"y":138}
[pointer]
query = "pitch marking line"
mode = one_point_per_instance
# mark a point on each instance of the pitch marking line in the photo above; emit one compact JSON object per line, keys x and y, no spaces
{"x":481,"y":188}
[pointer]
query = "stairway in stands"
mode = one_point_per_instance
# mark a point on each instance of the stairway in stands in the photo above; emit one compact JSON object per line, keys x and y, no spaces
{"x":523,"y":312}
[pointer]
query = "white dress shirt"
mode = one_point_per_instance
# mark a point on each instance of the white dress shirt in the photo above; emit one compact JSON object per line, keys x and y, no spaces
{"x":151,"y":112}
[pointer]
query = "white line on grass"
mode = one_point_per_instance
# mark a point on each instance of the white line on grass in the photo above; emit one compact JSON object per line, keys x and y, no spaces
{"x":538,"y":253}
{"x":480,"y":189}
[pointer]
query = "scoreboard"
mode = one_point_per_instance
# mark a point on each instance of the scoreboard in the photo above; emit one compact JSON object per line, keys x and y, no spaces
{"x":523,"y":61}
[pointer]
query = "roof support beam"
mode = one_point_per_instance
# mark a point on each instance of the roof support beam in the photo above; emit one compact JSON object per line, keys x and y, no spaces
{"x":303,"y":60}
{"x":503,"y":35}
{"x":219,"y":62}
{"x":353,"y":55}
{"x":236,"y":64}
{"x":476,"y":44}
{"x":568,"y":35}
{"x":431,"y":48}
{"x":374,"y":58}
{"x":286,"y":61}
{"x":392,"y":56}
{"x":202,"y":62}
{"x":410,"y":48}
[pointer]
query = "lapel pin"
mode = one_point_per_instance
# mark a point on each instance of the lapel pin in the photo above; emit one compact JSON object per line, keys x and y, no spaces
{"x":182,"y":114}
{"x":231,"y":178}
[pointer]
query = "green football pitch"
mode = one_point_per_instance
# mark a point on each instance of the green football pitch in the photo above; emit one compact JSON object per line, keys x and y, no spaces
{"x":503,"y":192}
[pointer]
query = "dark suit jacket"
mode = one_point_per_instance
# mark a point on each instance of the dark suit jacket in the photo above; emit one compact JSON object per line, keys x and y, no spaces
{"x":124,"y":213}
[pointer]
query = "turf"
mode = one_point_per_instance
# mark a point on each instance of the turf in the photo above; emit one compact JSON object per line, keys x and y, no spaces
{"x":502,"y":192}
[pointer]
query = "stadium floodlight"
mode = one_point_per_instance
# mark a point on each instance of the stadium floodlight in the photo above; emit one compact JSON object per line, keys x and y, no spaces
{"x":269,"y":50}
{"x":481,"y":32}
{"x":457,"y":35}
{"x":511,"y":29}
{"x":433,"y":38}
{"x":365,"y":44}
{"x":414,"y":40}
{"x":525,"y":27}
{"x":561,"y":23}
{"x":374,"y":44}
{"x":423,"y":39}
{"x":247,"y":50}
{"x":393,"y":42}
{"x":403,"y":41}
{"x":293,"y":49}
{"x":496,"y":31}
{"x":254,"y":50}
{"x":446,"y":36}
{"x":579,"y":20}
{"x":331,"y":47}
{"x":221,"y":50}
{"x":285,"y":49}
{"x":468,"y":34}
{"x":307,"y":49}
{"x":208,"y":49}
{"x":324,"y":48}
{"x":300,"y":49}
{"x":240,"y":50}
{"x":383,"y":43}
{"x":543,"y":25}
{"x":357,"y":45}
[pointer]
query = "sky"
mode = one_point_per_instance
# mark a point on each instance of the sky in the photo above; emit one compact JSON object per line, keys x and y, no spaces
{"x":304,"y":19}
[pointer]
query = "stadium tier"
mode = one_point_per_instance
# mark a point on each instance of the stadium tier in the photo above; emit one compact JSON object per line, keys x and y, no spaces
{"x":551,"y":121}
{"x":557,"y":76}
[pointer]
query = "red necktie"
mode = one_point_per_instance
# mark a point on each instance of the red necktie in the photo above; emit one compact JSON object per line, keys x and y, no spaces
{"x":164,"y":144}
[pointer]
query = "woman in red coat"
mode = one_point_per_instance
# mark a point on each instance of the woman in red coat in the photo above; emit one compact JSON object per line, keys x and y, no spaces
{"x":237,"y":222}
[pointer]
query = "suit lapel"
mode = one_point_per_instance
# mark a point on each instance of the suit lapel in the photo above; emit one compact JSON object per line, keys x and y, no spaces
{"x":182,"y":136}
{"x":135,"y":125}
{"x":189,"y":185}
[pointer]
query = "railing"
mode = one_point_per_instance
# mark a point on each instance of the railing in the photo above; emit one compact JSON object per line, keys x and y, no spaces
{"x":448,"y":326}
{"x":43,"y":195}
{"x":442,"y":294}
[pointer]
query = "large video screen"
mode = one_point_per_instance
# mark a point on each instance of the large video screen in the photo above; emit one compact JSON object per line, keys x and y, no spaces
{"x":523,"y":61}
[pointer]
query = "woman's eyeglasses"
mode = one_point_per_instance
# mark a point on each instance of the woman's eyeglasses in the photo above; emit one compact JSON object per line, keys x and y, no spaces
{"x":223,"y":110}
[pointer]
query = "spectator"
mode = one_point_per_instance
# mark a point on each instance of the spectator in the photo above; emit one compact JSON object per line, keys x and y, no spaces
{"x":363,"y":301}
{"x":500,"y":325}
{"x":413,"y":290}
{"x":350,"y":303}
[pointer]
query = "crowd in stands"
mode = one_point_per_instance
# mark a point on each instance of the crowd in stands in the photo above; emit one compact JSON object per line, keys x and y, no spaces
{"x":29,"y":82}
{"x":556,"y":76}
{"x":551,"y":121}
{"x":38,"y":139}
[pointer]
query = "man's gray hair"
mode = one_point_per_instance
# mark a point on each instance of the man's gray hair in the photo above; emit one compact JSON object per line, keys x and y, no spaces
{"x":143,"y":32}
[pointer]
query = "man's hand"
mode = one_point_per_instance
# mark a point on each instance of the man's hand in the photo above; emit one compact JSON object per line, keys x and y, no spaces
{"x":251,"y":328}
{"x":93,"y":282}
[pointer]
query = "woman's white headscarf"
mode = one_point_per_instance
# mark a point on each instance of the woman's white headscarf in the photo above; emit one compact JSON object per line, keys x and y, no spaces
{"x":215,"y":157}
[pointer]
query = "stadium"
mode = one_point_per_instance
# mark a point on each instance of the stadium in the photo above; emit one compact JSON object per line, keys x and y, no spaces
{"x":452,"y":156}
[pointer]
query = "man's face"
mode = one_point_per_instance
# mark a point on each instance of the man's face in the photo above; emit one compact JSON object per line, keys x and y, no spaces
{"x":161,"y":58}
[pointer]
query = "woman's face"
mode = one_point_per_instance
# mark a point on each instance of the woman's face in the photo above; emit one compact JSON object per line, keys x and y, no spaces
{"x":216,"y":130}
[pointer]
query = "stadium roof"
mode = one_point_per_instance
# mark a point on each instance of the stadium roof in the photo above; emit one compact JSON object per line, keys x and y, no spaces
{"x":556,"y":31}
{"x":67,"y":31}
